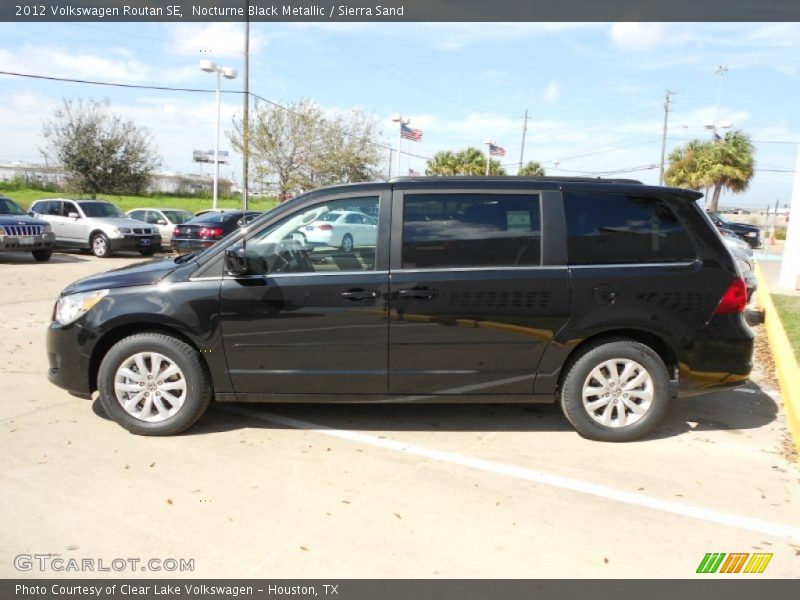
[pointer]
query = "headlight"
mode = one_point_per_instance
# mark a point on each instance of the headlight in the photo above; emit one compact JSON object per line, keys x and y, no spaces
{"x":69,"y":308}
{"x":121,"y":230}
{"x":47,"y":228}
{"x":751,"y":234}
{"x":2,"y":231}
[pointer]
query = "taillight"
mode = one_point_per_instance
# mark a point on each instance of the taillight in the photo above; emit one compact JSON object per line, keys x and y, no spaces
{"x":176,"y":232}
{"x":734,"y":299}
{"x":211,"y":232}
{"x":325,"y":227}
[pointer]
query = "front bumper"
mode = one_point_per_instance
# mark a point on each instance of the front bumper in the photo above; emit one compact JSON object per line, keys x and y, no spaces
{"x":26,"y":243}
{"x":136,"y":242}
{"x":68,"y":353}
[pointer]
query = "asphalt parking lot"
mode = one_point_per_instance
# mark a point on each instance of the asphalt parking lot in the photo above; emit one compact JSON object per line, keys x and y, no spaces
{"x":378,"y":491}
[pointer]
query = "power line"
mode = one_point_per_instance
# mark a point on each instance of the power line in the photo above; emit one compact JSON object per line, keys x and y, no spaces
{"x":120,"y":85}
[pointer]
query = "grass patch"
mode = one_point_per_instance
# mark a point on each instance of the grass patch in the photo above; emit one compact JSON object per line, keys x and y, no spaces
{"x":788,"y":308}
{"x":27,"y":196}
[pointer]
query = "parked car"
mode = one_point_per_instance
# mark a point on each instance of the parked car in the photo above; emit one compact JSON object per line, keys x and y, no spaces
{"x":749,"y":233}
{"x":340,"y":228}
{"x":607,"y":296}
{"x":744,"y":260}
{"x":207,"y":229}
{"x":731,"y":239}
{"x":96,"y":224}
{"x":20,"y":232}
{"x":164,"y":219}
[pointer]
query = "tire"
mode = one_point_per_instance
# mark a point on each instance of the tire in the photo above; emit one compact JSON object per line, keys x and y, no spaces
{"x":347,"y":243}
{"x":624,"y":423}
{"x":191,"y":385}
{"x":146,"y":251}
{"x":42,"y":255}
{"x":100,"y":245}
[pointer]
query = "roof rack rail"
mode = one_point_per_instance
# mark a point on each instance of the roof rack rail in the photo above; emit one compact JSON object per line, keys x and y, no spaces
{"x":516,"y":178}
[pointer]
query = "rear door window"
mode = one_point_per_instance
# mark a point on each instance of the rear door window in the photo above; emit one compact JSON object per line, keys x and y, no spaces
{"x":471,"y":230}
{"x":608,"y":228}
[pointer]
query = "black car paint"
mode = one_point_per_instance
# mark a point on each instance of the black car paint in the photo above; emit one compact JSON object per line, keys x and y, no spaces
{"x":295,"y":338}
{"x":186,"y":236}
{"x":740,"y":229}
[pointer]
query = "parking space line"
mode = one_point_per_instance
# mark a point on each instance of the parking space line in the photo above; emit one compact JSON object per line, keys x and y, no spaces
{"x":779,"y":530}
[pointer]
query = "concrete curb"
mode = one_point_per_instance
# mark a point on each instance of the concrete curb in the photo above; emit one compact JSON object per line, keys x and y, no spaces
{"x":785,"y":363}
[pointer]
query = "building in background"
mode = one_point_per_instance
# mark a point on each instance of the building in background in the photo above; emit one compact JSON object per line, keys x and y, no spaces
{"x":168,"y":182}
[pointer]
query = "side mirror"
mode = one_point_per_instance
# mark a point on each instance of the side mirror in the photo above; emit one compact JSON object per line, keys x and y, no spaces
{"x":161,"y":222}
{"x":73,"y":215}
{"x":236,"y":261}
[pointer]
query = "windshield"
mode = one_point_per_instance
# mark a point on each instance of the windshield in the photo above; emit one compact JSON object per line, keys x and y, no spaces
{"x":9,"y":207}
{"x":102,"y":209}
{"x":178,"y":216}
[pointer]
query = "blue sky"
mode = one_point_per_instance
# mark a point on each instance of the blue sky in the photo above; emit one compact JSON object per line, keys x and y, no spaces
{"x":594,"y":91}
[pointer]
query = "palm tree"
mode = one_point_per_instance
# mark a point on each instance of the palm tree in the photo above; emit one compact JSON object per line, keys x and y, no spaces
{"x":727,"y":163}
{"x":470,"y":161}
{"x":532,"y":169}
{"x":442,"y":163}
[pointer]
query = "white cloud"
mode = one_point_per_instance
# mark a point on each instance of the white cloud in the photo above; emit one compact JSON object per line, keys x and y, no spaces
{"x":552,"y":92}
{"x":637,"y":36}
{"x":46,"y":60}
{"x":454,"y":36}
{"x":212,"y":39}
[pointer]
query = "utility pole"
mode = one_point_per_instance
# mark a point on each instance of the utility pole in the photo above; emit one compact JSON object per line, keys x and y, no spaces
{"x":524,"y":133}
{"x":246,"y":112}
{"x":664,"y":138}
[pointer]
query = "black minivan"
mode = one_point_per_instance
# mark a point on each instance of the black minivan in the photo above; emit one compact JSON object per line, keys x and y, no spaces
{"x":608,"y":296}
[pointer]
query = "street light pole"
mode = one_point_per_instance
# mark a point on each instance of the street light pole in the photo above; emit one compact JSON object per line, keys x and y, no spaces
{"x":211,"y":67}
{"x":488,"y":154}
{"x":216,"y":145}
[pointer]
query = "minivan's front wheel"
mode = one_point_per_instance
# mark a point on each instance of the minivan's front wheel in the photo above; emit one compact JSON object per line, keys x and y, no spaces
{"x":154,"y":384}
{"x":616,"y":391}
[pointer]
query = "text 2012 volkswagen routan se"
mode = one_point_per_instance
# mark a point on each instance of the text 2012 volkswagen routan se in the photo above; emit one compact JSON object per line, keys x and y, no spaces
{"x":608,"y":296}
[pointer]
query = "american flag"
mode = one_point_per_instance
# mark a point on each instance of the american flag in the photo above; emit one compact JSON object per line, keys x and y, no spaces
{"x":496,"y":150}
{"x":409,"y":133}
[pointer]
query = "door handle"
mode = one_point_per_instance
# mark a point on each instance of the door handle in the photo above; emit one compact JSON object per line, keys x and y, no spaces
{"x":356,"y":295}
{"x":420,"y":293}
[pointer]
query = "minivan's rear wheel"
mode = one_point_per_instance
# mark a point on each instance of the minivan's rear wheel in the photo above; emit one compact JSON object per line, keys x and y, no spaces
{"x":101,"y":247}
{"x":154,"y":384}
{"x":616,"y":391}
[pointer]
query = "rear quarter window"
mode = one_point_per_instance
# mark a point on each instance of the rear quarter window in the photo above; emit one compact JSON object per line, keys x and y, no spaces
{"x":608,"y":228}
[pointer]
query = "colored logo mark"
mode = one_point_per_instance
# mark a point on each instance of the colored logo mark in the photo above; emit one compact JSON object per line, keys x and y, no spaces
{"x":734,"y":562}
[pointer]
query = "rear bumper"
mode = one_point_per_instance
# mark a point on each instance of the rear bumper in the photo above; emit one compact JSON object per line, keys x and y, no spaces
{"x":721,"y":357}
{"x":184,"y":246}
{"x":17,"y":243}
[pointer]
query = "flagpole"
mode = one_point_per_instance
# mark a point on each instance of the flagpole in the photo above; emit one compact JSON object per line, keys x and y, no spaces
{"x":488,"y":155}
{"x":400,"y":120}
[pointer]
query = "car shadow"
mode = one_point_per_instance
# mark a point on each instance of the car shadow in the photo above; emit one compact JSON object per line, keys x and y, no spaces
{"x":733,"y":410}
{"x":25,"y":258}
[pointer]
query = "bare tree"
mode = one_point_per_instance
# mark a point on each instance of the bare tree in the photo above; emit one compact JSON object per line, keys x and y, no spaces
{"x":303,"y":149}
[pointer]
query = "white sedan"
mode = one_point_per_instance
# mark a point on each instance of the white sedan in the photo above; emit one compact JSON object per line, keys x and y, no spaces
{"x":343,"y":229}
